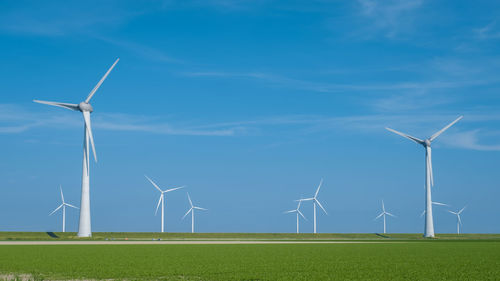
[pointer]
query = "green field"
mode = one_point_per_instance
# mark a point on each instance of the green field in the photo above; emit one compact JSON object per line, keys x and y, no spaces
{"x":56,"y":236}
{"x":451,"y":260}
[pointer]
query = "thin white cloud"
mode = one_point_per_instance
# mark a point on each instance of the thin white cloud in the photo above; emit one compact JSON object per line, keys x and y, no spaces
{"x":489,"y":31}
{"x":469,"y":140}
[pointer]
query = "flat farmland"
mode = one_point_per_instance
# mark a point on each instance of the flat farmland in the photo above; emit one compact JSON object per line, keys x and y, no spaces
{"x":399,"y":260}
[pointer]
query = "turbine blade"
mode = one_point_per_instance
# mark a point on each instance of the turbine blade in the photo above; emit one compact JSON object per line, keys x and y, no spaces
{"x":433,"y":137}
{"x":291,"y":211}
{"x":383,"y":207}
{"x":86,"y":116}
{"x":189,"y":198}
{"x":153,"y":183}
{"x":100,"y":82}
{"x":391,"y":215}
{"x":319,"y":204}
{"x":300,"y":213}
{"x":62,"y":196}
{"x":69,"y":106}
{"x":429,"y":165}
{"x":317,"y":190}
{"x":423,"y":213}
{"x":172,"y":189}
{"x":187,"y":213}
{"x":69,"y":205}
{"x":158,"y":206}
{"x":419,"y":141}
{"x":452,"y":212}
{"x":200,"y":208}
{"x":56,"y":209}
{"x":462,"y":209}
{"x":440,"y":204}
{"x":306,"y":199}
{"x":381,"y":214}
{"x":459,"y":220}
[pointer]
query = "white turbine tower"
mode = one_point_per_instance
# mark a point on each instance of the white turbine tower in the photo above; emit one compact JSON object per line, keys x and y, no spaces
{"x":315,"y":201}
{"x":459,"y":221}
{"x":162,"y":200}
{"x":192,"y":212}
{"x":63,"y":206}
{"x":384,"y":213}
{"x":429,"y":179}
{"x":298,"y":212}
{"x":84,"y":228}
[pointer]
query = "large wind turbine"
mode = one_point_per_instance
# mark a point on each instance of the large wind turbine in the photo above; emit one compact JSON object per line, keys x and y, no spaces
{"x":384,"y":213}
{"x":429,"y":179}
{"x":162,"y":200}
{"x":315,"y":201}
{"x":84,"y":229}
{"x":459,"y":221}
{"x":63,"y":206}
{"x":298,"y":212}
{"x":192,"y":212}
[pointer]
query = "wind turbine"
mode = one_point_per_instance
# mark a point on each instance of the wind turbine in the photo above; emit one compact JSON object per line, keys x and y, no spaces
{"x":298,"y":212}
{"x":63,"y":206}
{"x":429,"y":178}
{"x":384,"y":212}
{"x":459,"y":221}
{"x":84,"y":228}
{"x":434,"y":203}
{"x":192,"y":212}
{"x":315,"y":201}
{"x":162,"y":200}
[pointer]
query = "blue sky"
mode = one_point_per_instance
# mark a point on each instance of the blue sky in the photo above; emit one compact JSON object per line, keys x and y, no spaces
{"x":250,"y":104}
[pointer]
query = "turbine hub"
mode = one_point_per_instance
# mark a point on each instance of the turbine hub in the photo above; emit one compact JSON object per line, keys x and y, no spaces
{"x":83,"y":106}
{"x":427,"y":142}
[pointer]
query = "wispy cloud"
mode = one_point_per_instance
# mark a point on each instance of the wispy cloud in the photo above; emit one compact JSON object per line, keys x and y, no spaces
{"x":469,"y":140}
{"x":489,"y":31}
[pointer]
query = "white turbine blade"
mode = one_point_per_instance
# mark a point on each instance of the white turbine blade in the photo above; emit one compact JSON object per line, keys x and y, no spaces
{"x":69,"y":106}
{"x":306,"y":199}
{"x":429,"y":165}
{"x":419,"y":141}
{"x":440,"y":204}
{"x":300,"y":213}
{"x":461,"y":210}
{"x":100,"y":82}
{"x":423,"y":213}
{"x":433,"y":137}
{"x":62,"y":196}
{"x":391,"y":215}
{"x":175,"y":188}
{"x":200,"y":208}
{"x":381,"y":214}
{"x":187,"y":213}
{"x":291,"y":211}
{"x":158,"y":206}
{"x":317,"y":190}
{"x":452,"y":212}
{"x":69,"y":205}
{"x":383,"y":207}
{"x":298,"y":205}
{"x":56,"y":209}
{"x":189,"y":198}
{"x":86,"y":116}
{"x":153,"y":183}
{"x":319,"y":204}
{"x":459,"y":220}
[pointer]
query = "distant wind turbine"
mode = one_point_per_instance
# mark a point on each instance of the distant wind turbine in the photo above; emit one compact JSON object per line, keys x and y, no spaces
{"x":315,"y":201}
{"x":459,"y":221}
{"x":192,"y":212}
{"x":162,"y":200}
{"x":384,"y":213}
{"x":298,"y":212}
{"x":429,"y":178}
{"x":63,"y":206}
{"x":84,"y":228}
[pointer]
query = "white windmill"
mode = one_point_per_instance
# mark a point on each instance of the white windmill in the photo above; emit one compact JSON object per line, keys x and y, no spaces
{"x":298,"y":212}
{"x":63,"y":206}
{"x":429,"y":179}
{"x":84,"y":228}
{"x":315,"y":201}
{"x":162,"y":200}
{"x":459,"y":221}
{"x":191,"y":210}
{"x":384,"y":213}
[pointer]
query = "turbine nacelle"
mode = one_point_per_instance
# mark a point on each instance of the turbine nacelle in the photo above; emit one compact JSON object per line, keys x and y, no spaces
{"x":85,"y":107}
{"x":427,"y":143}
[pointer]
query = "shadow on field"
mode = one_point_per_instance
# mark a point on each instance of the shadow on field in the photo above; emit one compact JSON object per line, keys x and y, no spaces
{"x":52,"y":234}
{"x":381,"y":235}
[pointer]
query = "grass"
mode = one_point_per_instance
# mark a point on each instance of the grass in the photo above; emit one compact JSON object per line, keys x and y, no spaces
{"x":236,"y":236}
{"x":440,"y":260}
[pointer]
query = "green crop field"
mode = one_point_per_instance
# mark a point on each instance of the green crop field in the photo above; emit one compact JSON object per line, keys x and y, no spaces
{"x":435,"y":260}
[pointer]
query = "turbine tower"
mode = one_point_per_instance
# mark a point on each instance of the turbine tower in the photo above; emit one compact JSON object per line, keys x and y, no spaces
{"x":192,"y":212}
{"x":162,"y":201}
{"x":84,"y":228}
{"x":63,"y":206}
{"x":298,"y":212}
{"x":384,"y":212}
{"x":429,"y":178}
{"x":315,"y":201}
{"x":459,"y":221}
